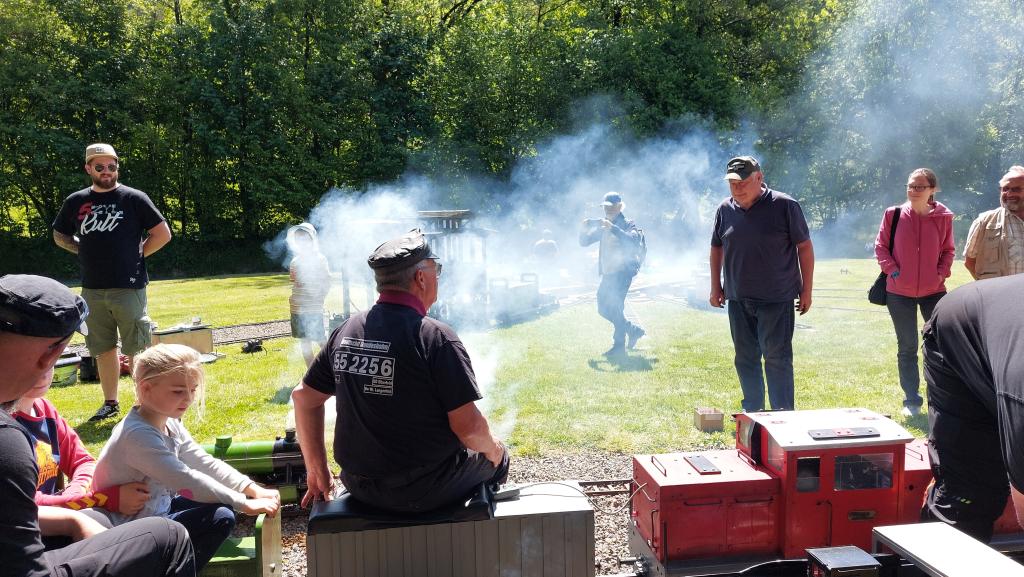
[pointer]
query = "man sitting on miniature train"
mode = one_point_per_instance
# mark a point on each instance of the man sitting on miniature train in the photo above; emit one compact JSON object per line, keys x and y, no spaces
{"x":974,"y":366}
{"x":409,"y":436}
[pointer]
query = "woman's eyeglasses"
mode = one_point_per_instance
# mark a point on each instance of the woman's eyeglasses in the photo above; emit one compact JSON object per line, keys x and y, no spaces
{"x":918,"y":187}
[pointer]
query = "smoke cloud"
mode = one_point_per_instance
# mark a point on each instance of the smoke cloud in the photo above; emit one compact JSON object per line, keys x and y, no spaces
{"x":903,"y":84}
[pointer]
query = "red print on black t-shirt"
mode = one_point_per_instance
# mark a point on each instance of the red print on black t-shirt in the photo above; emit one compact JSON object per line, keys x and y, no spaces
{"x":84,"y":210}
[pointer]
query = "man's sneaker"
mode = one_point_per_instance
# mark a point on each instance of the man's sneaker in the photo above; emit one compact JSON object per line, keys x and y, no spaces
{"x":633,"y":336}
{"x":910,"y":411}
{"x":106,"y":411}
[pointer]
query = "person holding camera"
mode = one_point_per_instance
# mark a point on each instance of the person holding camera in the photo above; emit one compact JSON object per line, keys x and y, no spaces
{"x":619,"y":260}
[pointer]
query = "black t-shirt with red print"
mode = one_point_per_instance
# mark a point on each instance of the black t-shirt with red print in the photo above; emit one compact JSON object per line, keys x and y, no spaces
{"x":395,"y":374}
{"x":110,"y":227}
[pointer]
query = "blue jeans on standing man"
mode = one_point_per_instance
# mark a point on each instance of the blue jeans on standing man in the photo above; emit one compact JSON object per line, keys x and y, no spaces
{"x":903,"y":311}
{"x":763,"y":330}
{"x":611,"y":303}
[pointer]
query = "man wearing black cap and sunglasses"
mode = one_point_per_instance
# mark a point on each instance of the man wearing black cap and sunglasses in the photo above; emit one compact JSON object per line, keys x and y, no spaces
{"x":112,"y":228}
{"x":761,"y":240}
{"x":37,"y":318}
{"x":409,"y":436}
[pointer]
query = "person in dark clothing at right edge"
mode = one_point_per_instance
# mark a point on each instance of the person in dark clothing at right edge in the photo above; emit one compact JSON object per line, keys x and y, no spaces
{"x":974,"y":367}
{"x":618,"y":263}
{"x":37,"y":318}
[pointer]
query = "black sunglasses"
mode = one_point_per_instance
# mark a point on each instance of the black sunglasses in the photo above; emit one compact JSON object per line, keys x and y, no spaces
{"x":110,"y":167}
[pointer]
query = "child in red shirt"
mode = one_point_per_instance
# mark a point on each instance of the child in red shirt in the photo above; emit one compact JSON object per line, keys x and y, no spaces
{"x":60,"y":450}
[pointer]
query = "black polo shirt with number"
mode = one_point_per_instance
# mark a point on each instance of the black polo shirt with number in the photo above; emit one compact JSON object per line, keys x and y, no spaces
{"x":395,"y":375}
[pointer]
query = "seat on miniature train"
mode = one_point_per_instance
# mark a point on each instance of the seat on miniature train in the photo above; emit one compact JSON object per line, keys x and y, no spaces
{"x":258,"y":555}
{"x":346,"y":514}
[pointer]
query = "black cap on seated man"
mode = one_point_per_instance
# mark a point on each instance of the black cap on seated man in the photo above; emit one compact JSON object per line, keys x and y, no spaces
{"x":37,"y":318}
{"x":408,"y":436}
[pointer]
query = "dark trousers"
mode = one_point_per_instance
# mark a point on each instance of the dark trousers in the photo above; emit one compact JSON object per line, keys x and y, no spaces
{"x":425,"y":489}
{"x":208,"y":525}
{"x":763,"y":331}
{"x":155,"y":547}
{"x":611,"y":302}
{"x":971,"y":487}
{"x":903,"y":311}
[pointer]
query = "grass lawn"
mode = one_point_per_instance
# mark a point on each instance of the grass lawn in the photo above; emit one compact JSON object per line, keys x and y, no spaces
{"x":547,"y":387}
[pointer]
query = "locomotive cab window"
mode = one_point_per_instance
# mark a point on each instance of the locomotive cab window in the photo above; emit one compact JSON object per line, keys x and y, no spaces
{"x":808,"y":474}
{"x":867,"y":471}
{"x":746,"y":428}
{"x":776,"y":456}
{"x":748,"y":436}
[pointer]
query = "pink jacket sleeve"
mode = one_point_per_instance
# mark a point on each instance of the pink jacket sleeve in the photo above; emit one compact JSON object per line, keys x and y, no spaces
{"x":882,"y":250}
{"x":948,"y":250}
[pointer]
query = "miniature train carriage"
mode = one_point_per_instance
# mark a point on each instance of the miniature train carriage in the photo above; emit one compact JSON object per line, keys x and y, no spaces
{"x":797,"y":479}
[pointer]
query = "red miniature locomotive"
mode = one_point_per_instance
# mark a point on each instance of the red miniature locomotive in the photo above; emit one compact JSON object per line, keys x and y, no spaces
{"x":796,"y":480}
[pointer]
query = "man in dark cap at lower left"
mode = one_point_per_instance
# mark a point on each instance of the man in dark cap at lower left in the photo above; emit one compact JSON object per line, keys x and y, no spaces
{"x":409,"y":436}
{"x":38,"y":316}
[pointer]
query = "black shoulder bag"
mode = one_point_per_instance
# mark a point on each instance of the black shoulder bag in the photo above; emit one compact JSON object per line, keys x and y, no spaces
{"x":876,"y":294}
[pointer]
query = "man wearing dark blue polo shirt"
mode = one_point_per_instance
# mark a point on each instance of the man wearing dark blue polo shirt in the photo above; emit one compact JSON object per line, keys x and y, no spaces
{"x":761,"y":238}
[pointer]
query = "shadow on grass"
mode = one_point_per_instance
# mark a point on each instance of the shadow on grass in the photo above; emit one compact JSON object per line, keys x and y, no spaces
{"x":97,"y":431}
{"x":918,"y":421}
{"x":282,"y":395}
{"x":624,"y":363}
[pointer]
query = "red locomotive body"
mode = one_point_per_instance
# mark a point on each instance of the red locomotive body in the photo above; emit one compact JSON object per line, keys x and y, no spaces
{"x":796,"y":480}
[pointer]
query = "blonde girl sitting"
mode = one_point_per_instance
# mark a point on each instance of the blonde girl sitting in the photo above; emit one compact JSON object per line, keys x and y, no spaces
{"x":152,"y":446}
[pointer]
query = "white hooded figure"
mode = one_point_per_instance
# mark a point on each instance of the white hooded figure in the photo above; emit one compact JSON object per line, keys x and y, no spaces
{"x":311,"y":280}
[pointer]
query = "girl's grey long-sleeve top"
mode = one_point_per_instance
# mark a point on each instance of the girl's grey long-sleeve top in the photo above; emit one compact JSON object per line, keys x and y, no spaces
{"x":170,"y":462}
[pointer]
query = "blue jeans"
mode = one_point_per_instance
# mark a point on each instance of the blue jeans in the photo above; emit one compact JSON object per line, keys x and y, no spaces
{"x":208,"y":525}
{"x":611,"y":302}
{"x":763,"y":330}
{"x":903,"y":311}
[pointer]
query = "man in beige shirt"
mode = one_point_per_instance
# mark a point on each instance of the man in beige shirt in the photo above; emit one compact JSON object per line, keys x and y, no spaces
{"x":995,"y":243}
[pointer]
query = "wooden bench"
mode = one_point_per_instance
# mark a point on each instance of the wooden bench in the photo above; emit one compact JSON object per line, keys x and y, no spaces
{"x":258,"y":555}
{"x":548,"y":531}
{"x":942,"y":551}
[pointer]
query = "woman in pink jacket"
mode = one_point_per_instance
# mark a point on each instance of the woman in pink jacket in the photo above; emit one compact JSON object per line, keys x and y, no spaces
{"x":917,"y":267}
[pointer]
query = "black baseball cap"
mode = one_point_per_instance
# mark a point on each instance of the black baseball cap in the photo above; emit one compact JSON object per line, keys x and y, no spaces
{"x":399,"y":253}
{"x":740,"y":167}
{"x":36,"y":306}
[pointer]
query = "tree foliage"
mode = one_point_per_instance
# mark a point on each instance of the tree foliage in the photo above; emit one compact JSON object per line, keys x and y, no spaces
{"x":237,"y":115}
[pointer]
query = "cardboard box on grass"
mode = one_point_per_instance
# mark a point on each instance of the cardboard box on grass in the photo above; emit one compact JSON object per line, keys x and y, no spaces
{"x":708,"y":419}
{"x":199,"y":337}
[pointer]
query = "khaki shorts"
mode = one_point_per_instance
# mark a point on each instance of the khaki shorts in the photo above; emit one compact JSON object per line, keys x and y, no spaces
{"x":113,"y":311}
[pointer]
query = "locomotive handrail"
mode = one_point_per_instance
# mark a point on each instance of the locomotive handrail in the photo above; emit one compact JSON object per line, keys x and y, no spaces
{"x":658,"y":465}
